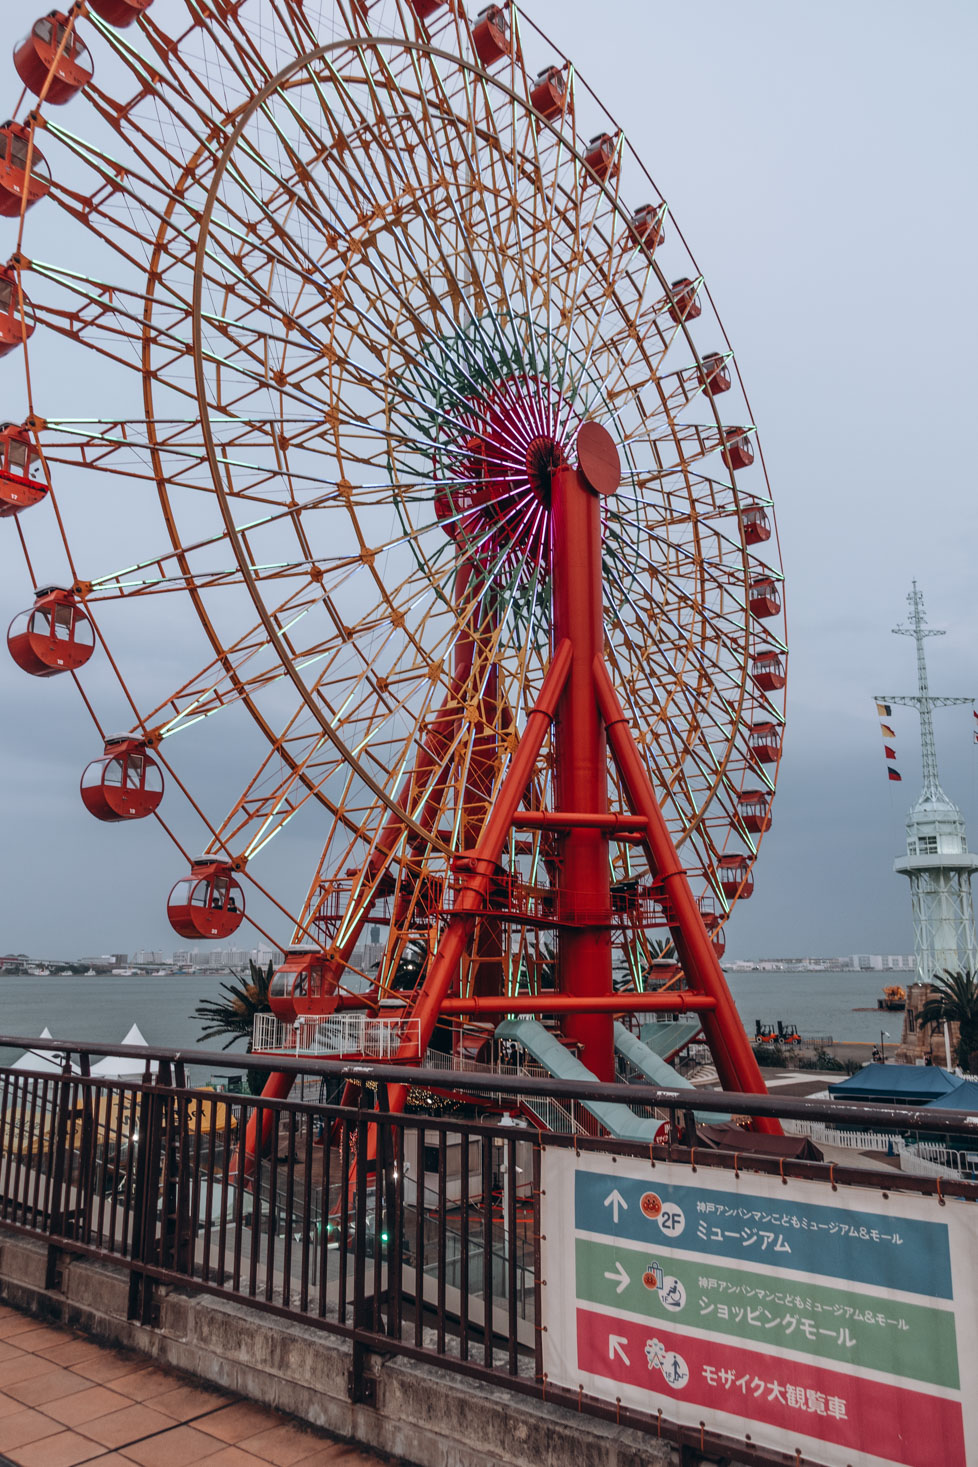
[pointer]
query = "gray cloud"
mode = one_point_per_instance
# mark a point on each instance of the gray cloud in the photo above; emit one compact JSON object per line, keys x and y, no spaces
{"x":818,"y":160}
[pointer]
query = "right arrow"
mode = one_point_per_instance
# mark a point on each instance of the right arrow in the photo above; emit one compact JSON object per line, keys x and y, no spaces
{"x":619,"y":1277}
{"x":615,"y":1343}
{"x":614,"y":1200}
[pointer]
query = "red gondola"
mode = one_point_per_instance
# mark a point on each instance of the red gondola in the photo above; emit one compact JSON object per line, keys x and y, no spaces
{"x":19,"y":471}
{"x":298,"y":987}
{"x":714,"y":373}
{"x":119,"y":13}
{"x":207,"y":903}
{"x":647,"y":226}
{"x":602,"y":155}
{"x":685,"y":305}
{"x":754,"y":808}
{"x":490,"y":35}
{"x":765,"y":742}
{"x":20,"y":188}
{"x":757,"y":526}
{"x":768,"y":671}
{"x":549,"y":92}
{"x":54,"y":49}
{"x":54,"y":636}
{"x":424,"y":8}
{"x":711,"y":921}
{"x":125,"y":783}
{"x":764,"y":597}
{"x":735,"y":877}
{"x":16,"y":326}
{"x":738,"y":450}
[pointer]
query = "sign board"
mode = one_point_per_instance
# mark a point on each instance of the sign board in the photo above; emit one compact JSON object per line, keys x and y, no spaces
{"x":837,"y":1323}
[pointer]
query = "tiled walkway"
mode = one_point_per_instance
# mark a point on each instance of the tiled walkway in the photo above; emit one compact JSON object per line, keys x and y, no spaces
{"x":65,"y":1400}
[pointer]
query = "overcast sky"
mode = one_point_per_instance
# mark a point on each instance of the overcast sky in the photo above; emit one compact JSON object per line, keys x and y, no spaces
{"x":820,"y":161}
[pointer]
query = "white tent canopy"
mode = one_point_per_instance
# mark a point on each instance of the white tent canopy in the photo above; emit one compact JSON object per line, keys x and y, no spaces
{"x":112,"y":1067}
{"x":124,"y":1067}
{"x":40,"y":1061}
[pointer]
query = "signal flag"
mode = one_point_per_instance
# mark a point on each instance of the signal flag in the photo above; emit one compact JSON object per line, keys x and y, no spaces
{"x":888,"y":732}
{"x":893,"y":774}
{"x":889,"y":753}
{"x":885,"y":711}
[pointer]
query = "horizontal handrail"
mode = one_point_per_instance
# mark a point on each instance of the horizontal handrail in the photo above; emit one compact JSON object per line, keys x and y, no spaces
{"x":844,"y":1112}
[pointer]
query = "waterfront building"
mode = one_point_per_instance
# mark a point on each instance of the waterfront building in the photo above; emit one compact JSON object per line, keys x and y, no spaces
{"x":937,"y":862}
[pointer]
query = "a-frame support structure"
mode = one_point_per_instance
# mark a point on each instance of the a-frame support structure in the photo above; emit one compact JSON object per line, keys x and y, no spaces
{"x":577,"y":706}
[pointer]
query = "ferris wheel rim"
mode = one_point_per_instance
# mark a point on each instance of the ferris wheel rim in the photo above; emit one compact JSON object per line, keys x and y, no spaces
{"x":285,"y":659}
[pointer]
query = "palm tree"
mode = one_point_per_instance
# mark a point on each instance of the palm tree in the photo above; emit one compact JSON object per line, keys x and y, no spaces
{"x":234,"y":1014}
{"x":956,"y":1001}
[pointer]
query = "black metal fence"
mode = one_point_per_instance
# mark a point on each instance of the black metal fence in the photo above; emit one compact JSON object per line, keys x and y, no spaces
{"x":407,"y":1233}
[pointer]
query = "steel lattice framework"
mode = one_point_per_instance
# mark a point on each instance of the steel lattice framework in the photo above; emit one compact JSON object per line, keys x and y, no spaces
{"x":338,"y":287}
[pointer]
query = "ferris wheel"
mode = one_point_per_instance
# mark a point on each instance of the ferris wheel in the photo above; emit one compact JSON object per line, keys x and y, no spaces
{"x":340,"y":292}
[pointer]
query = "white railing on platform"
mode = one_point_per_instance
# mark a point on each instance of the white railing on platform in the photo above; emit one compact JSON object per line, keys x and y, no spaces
{"x":338,"y":1034}
{"x":917,"y":1158}
{"x":852,"y":1140}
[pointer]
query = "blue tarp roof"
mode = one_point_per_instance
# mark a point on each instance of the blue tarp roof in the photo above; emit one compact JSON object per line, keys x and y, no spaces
{"x":915,"y":1084}
{"x":963,"y":1096}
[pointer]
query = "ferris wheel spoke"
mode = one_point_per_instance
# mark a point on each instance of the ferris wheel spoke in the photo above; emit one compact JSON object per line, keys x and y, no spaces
{"x":710,"y":765}
{"x":479,"y":155}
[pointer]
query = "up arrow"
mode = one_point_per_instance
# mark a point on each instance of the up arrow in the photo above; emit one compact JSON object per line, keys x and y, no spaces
{"x":615,"y":1343}
{"x":619,"y":1277}
{"x":614,"y":1200}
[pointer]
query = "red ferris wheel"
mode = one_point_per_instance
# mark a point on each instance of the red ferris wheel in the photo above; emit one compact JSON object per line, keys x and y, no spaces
{"x":379,"y":431}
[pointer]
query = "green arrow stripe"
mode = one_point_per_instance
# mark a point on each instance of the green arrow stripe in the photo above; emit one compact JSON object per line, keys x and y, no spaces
{"x":908,"y":1340}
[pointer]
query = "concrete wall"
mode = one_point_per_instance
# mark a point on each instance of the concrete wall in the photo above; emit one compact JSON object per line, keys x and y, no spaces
{"x":423,"y":1415}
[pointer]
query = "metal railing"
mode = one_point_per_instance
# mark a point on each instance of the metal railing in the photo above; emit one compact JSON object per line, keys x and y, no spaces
{"x":405,"y":1233}
{"x":369,"y":1035}
{"x":917,"y":1158}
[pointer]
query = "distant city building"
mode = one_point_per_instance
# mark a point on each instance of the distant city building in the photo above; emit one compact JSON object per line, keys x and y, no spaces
{"x":368,"y":956}
{"x":215,"y":959}
{"x":938,"y":864}
{"x":265,"y":955}
{"x":145,"y":958}
{"x":858,"y":962}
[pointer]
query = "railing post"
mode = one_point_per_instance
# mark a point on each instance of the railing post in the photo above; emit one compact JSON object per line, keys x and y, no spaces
{"x":56,"y":1209}
{"x":89,"y":1141}
{"x":146,"y":1199}
{"x":390,"y":1153}
{"x":362,"y":1388}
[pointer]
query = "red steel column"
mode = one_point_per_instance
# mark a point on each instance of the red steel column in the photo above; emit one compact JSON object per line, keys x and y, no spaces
{"x":581,"y":768}
{"x":735,"y":1061}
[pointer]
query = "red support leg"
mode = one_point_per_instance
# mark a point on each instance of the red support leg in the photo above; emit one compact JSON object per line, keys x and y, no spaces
{"x":278,"y":1086}
{"x":473,"y":899}
{"x":581,"y":770}
{"x":735,"y":1061}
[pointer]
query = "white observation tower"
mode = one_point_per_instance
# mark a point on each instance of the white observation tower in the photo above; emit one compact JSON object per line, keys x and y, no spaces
{"x":938,"y":862}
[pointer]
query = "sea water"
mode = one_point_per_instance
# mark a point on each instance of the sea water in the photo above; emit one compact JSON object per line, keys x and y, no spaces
{"x":101,"y":1009}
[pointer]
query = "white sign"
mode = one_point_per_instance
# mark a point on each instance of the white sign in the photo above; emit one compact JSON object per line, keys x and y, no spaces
{"x":842,"y":1324}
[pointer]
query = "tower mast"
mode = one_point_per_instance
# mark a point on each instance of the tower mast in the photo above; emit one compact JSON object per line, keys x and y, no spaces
{"x":938,"y":863}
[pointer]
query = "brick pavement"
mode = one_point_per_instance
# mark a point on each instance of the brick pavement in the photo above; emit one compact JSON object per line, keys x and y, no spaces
{"x":65,"y":1400}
